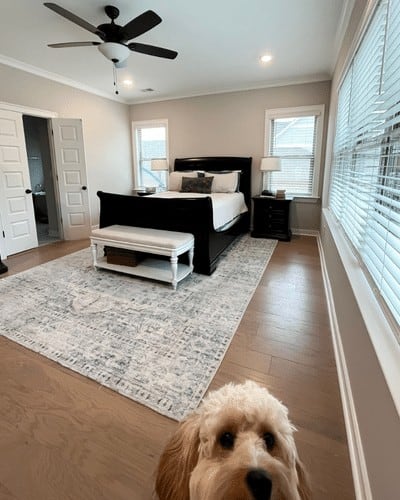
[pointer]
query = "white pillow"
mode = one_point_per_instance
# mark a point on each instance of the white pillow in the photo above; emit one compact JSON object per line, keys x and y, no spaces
{"x":175,"y":179}
{"x":224,"y":183}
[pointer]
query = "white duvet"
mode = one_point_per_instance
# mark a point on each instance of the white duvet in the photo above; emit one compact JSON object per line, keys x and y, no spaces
{"x":226,"y":206}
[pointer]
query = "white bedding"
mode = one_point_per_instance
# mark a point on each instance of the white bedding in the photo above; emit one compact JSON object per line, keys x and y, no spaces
{"x":226,"y":206}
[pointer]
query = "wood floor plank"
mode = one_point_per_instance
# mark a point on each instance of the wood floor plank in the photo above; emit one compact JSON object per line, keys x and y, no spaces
{"x":63,"y":436}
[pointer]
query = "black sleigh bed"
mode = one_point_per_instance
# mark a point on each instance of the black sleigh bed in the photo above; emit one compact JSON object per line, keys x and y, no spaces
{"x":189,"y":215}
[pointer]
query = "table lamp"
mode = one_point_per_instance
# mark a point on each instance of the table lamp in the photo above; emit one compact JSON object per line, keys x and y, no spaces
{"x":269,"y":164}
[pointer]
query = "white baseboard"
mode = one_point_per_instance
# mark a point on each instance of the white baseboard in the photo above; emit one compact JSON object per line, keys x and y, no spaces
{"x":358,"y":465}
{"x":305,"y":232}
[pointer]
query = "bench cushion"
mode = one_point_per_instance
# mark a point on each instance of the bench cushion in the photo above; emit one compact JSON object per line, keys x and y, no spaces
{"x":143,"y":236}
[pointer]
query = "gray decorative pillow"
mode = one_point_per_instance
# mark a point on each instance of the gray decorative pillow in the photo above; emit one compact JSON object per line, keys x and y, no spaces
{"x":196,"y":185}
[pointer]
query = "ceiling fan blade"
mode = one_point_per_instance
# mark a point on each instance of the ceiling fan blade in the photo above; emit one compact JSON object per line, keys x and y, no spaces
{"x":75,"y":19}
{"x":72,"y":44}
{"x":152,"y":50}
{"x":140,"y":25}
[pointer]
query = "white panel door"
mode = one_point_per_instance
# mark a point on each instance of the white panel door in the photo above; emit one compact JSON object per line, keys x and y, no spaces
{"x":71,"y":173}
{"x":16,"y":204}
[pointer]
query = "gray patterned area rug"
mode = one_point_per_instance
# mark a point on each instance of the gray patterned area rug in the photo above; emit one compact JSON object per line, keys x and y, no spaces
{"x":137,"y":337}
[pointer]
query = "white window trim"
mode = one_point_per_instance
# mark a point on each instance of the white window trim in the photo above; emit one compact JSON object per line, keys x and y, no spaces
{"x":358,"y":36}
{"x":379,"y":327}
{"x":142,"y":124}
{"x":333,"y":111}
{"x":317,"y":110}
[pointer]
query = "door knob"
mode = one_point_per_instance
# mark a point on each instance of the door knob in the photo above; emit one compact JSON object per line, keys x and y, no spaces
{"x":84,"y":188}
{"x":28,"y":191}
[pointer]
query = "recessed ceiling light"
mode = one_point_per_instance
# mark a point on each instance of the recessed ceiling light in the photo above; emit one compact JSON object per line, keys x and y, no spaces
{"x":127,"y":82}
{"x":266,"y":58}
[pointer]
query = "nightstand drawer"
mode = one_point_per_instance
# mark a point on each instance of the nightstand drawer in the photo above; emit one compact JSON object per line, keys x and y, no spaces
{"x":271,"y":212}
{"x":271,"y":218}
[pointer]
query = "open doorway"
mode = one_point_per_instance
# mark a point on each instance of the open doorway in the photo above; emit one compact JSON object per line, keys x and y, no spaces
{"x":42,"y":179}
{"x":56,"y":173}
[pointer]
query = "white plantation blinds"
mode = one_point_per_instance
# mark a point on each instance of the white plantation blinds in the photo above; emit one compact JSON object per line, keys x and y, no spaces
{"x":294,"y":135}
{"x":293,"y":139}
{"x":150,"y":142}
{"x":365,"y":179}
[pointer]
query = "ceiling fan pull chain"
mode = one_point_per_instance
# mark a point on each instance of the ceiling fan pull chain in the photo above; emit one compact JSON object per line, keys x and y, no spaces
{"x":115,"y":79}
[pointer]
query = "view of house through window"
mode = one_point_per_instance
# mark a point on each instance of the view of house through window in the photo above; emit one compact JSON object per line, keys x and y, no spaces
{"x":294,"y":135}
{"x":150,"y":142}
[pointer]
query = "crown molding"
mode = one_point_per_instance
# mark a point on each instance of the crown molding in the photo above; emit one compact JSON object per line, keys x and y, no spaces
{"x":323,"y":77}
{"x":9,"y":61}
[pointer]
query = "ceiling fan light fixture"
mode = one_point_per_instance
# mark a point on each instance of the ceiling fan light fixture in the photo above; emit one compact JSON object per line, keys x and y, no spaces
{"x":266,"y":58}
{"x":115,"y":52}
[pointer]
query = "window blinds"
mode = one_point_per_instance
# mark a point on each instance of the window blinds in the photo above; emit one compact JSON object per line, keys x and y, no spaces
{"x":150,"y":143}
{"x":293,"y":139}
{"x":365,"y":178}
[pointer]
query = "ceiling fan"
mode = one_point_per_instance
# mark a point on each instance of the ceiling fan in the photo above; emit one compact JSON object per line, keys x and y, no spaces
{"x":114,"y":37}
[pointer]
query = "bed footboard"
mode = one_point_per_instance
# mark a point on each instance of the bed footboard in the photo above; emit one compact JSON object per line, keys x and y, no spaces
{"x":193,"y":215}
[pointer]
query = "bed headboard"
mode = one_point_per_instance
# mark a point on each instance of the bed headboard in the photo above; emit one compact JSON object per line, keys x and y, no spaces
{"x":220,"y":163}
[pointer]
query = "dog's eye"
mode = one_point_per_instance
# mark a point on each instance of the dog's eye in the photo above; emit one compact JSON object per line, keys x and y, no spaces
{"x":269,"y":440}
{"x":227,"y":440}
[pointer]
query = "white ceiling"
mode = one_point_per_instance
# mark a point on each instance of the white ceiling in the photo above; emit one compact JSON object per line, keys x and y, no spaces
{"x":219,"y":43}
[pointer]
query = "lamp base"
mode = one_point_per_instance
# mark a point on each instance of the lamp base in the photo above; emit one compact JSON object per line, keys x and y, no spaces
{"x":266,"y":192}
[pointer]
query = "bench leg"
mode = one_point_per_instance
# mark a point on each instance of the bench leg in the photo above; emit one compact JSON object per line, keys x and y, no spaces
{"x":93,"y":247}
{"x":174,"y":269}
{"x":191,"y":253}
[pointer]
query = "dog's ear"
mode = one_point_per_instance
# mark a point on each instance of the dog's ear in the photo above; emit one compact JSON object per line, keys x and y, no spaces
{"x":303,"y":486}
{"x":178,"y":460}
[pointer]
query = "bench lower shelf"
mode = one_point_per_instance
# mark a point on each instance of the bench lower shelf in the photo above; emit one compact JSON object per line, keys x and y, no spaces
{"x":156,"y":269}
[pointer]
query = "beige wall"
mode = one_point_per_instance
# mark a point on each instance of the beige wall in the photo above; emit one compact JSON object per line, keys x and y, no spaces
{"x":220,"y":124}
{"x":232,"y":124}
{"x":106,"y":127}
{"x":377,"y":418}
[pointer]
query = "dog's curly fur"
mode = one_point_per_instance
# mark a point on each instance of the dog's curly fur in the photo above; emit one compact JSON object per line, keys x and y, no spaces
{"x":237,"y":430}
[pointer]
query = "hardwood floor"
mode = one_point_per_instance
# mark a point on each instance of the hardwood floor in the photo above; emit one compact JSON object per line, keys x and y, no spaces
{"x":63,"y":436}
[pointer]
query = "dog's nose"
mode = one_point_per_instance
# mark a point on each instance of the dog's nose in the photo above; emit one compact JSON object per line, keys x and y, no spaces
{"x":259,"y":483}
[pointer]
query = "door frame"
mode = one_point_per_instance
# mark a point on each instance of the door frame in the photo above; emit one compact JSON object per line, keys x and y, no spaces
{"x":24,"y":110}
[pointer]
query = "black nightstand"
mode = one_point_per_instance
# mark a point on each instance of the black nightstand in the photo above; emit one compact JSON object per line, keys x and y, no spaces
{"x":271,"y":218}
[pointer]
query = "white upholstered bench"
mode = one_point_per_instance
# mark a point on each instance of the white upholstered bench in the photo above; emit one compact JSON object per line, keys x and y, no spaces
{"x":146,"y":240}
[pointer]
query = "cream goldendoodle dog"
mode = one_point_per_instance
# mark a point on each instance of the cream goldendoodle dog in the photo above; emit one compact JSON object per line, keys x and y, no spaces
{"x":238,"y":445}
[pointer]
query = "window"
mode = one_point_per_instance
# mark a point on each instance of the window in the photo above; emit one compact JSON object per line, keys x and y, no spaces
{"x":150,"y":141}
{"x":295,"y":135}
{"x":364,"y":191}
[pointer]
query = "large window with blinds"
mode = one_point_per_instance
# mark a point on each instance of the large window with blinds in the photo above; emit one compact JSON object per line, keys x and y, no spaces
{"x":295,"y":135}
{"x":150,"y":142}
{"x":364,"y":192}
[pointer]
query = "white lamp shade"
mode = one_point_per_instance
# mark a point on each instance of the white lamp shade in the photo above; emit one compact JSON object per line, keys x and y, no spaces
{"x":270,"y":164}
{"x":159,"y":164}
{"x":115,"y":52}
